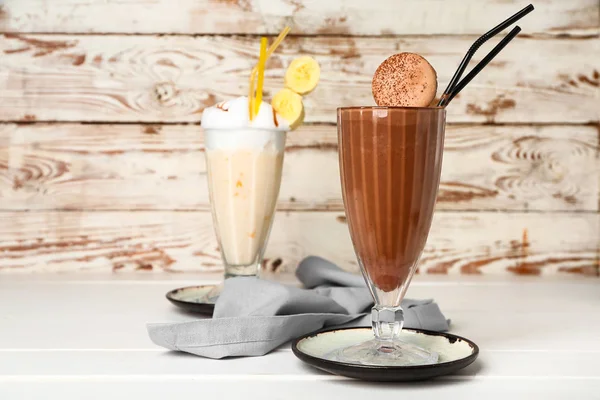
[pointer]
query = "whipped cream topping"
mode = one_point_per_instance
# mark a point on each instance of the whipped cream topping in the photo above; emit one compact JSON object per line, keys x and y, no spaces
{"x":233,"y":114}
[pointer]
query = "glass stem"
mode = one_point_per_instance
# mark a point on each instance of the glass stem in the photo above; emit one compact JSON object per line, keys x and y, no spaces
{"x":387,"y":323}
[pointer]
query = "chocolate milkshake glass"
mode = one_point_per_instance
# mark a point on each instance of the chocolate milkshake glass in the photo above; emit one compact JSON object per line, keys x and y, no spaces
{"x":390,"y":161}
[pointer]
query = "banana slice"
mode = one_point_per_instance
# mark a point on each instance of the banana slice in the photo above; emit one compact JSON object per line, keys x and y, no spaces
{"x":303,"y":75}
{"x":288,"y":104}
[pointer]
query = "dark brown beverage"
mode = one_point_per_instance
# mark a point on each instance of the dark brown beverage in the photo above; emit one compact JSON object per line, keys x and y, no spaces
{"x":390,"y":162}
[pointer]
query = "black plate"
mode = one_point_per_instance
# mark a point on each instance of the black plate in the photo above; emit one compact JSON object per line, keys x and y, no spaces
{"x":193,"y":299}
{"x":454,"y":351}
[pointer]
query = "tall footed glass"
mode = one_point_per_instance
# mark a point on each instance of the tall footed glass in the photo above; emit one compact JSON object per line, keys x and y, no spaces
{"x":244,"y":174}
{"x":390,"y":162}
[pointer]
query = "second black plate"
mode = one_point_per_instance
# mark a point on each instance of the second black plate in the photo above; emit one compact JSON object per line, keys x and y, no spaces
{"x":193,"y":298}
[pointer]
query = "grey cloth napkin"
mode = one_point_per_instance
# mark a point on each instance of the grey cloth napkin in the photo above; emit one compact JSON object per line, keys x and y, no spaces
{"x":254,"y":316}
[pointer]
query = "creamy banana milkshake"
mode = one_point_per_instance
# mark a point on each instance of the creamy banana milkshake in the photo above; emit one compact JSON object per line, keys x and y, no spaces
{"x":244,"y":161}
{"x":244,"y":143}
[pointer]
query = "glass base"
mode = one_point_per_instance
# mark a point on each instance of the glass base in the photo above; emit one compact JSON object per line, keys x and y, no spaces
{"x":380,"y":353}
{"x":233,"y":271}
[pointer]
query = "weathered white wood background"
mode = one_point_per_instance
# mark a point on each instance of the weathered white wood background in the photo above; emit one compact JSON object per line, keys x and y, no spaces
{"x":101,"y":154}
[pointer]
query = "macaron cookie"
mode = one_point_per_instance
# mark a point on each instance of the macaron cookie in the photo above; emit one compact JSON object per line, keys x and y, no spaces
{"x":404,"y":80}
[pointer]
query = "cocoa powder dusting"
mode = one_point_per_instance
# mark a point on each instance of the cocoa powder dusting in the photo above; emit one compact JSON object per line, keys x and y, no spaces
{"x":404,"y":79}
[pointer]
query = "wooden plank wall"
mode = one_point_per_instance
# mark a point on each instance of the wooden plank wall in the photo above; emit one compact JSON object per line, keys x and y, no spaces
{"x":101,"y":154}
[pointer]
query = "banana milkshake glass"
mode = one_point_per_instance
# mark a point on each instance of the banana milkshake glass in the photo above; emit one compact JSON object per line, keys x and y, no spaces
{"x":244,"y":160}
{"x":244,"y":144}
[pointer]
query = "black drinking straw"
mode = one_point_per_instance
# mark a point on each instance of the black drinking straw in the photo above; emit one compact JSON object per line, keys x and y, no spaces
{"x":461,"y":85}
{"x":452,"y":85}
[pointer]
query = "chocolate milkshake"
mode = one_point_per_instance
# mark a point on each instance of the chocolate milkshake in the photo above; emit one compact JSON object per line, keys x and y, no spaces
{"x":390,"y":164}
{"x":390,"y":160}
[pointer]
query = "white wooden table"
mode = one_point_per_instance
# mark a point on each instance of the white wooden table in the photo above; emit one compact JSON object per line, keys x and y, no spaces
{"x":84,"y":337}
